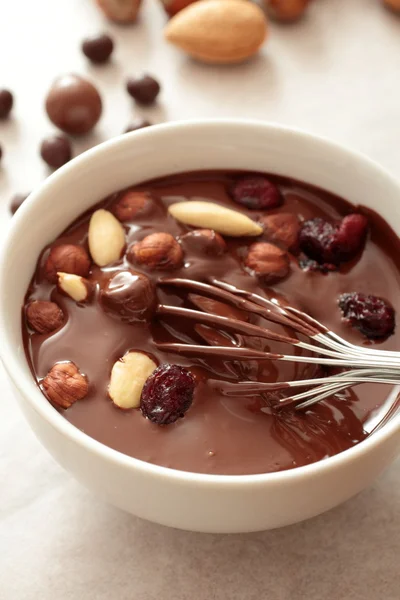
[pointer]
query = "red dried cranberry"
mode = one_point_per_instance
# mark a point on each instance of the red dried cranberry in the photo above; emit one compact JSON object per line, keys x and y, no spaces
{"x":317,"y":239}
{"x":351,"y":235}
{"x":256,"y":192}
{"x":333,"y":244}
{"x":373,"y":316}
{"x":167,"y":394}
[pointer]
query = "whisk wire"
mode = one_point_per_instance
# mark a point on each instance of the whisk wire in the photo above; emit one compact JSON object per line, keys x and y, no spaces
{"x":360,"y":364}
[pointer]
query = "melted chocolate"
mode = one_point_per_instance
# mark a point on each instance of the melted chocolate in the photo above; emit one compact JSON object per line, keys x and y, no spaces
{"x":220,"y":433}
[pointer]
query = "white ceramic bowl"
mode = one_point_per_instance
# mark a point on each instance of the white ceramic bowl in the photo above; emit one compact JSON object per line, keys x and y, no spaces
{"x":208,"y":503}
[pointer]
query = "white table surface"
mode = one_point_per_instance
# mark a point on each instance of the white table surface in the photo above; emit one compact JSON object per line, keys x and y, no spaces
{"x":337,"y":74}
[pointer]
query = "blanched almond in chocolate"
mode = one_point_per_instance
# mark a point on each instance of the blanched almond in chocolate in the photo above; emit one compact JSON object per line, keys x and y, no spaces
{"x":74,"y":286}
{"x":128,"y":377}
{"x":106,"y":238}
{"x":213,"y":216}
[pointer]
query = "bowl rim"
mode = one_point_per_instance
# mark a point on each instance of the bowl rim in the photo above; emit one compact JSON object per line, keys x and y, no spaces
{"x":32,"y":394}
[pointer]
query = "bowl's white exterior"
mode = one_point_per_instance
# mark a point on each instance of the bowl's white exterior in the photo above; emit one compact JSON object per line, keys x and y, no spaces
{"x":186,"y":500}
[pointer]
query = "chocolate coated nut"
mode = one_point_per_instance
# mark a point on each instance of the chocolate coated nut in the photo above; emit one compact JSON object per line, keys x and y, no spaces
{"x":204,"y":241}
{"x":73,"y":104}
{"x":98,"y":48}
{"x":143,"y":89}
{"x":6,"y":103}
{"x":130,"y":295}
{"x":56,"y":150}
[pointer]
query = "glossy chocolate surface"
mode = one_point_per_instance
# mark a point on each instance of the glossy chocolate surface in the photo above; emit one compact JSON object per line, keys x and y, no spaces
{"x":219,"y":434}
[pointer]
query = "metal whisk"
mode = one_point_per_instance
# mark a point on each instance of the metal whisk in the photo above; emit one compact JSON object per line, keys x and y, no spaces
{"x":359,"y":364}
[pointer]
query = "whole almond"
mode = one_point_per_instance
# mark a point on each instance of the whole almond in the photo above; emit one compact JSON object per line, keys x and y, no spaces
{"x":218,"y":31}
{"x":392,"y":5}
{"x":287,"y":10}
{"x":106,"y":237}
{"x":74,"y":286}
{"x":128,"y":376}
{"x":209,"y":215}
{"x":172,"y":7}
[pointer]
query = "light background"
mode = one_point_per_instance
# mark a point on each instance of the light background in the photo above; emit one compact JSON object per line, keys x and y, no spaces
{"x":336,"y":74}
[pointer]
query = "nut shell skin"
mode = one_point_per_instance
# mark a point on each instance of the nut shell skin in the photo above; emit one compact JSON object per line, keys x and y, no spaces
{"x":73,"y":104}
{"x":130,"y":204}
{"x":282,"y":229}
{"x":67,"y":258}
{"x":157,"y":251}
{"x":44,"y":316}
{"x":267,"y":261}
{"x":64,"y":384}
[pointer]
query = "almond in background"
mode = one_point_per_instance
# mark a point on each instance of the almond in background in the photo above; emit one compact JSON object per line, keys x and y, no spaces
{"x":287,"y":10}
{"x":172,"y":7}
{"x":218,"y":31}
{"x":393,"y":5}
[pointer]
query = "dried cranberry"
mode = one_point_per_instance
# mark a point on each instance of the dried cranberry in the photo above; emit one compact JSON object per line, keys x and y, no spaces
{"x":333,"y":244}
{"x":167,"y":394}
{"x":256,"y":193}
{"x":373,"y":316}
{"x":351,"y":235}
{"x":308,"y":264}
{"x":316,"y":240}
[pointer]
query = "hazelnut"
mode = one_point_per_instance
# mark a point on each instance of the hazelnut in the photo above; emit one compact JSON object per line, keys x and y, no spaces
{"x":267,"y":261}
{"x":130,"y":204}
{"x":392,"y":5}
{"x":120,"y":11}
{"x":287,"y":10}
{"x":129,"y":294}
{"x":64,"y":384}
{"x":43,"y":316}
{"x":157,"y":251}
{"x":205,"y":241}
{"x":67,"y":258}
{"x":172,"y":7}
{"x":282,"y":229}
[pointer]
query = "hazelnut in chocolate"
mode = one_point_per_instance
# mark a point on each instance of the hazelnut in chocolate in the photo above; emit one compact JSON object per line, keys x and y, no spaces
{"x":142,"y":361}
